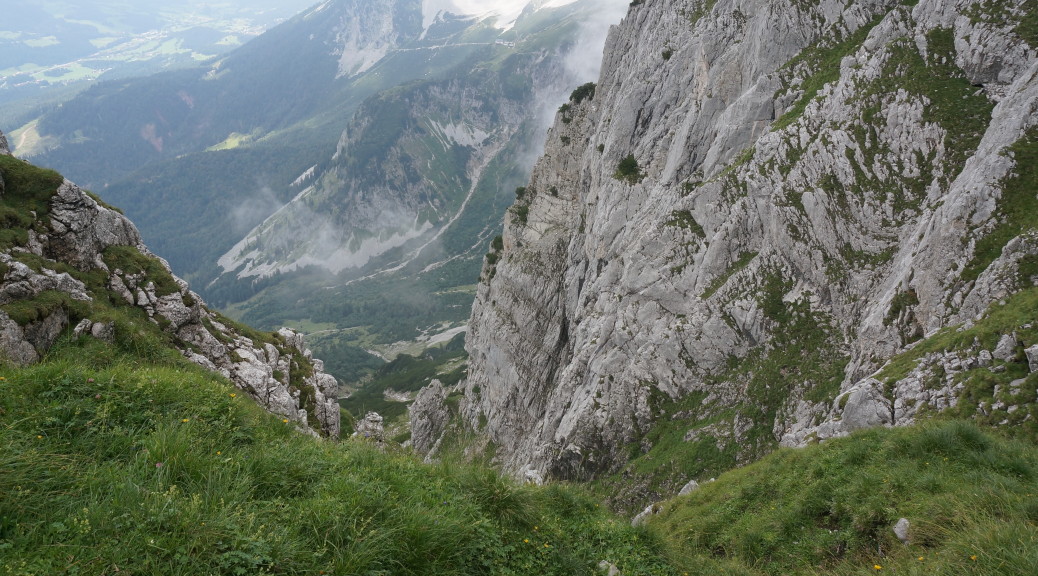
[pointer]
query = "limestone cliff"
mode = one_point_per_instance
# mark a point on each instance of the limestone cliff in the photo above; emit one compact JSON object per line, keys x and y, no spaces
{"x":68,"y":261}
{"x":760,"y":204}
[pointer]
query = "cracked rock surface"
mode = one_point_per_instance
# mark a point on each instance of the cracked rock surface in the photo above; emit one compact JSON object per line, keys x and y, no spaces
{"x":817,"y":174}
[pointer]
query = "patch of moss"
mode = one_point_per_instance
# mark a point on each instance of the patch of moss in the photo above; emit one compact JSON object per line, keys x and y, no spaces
{"x":898,"y":304}
{"x":131,"y":261}
{"x":25,"y":312}
{"x":28,"y":189}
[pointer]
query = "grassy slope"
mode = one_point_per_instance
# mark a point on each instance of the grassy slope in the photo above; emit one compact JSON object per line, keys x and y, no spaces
{"x":110,"y":463}
{"x":830,"y":508}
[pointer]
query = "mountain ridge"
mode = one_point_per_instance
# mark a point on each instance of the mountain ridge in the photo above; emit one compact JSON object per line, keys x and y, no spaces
{"x":69,"y":261}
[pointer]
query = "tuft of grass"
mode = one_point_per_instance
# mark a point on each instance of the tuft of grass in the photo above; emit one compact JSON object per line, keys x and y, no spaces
{"x":131,"y":261}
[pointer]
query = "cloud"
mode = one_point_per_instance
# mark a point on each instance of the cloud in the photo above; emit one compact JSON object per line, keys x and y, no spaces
{"x":584,"y":62}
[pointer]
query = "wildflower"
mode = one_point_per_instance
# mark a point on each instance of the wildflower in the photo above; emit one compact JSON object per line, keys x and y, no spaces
{"x":38,"y":437}
{"x":284,"y":420}
{"x":186,"y":420}
{"x":877,"y":567}
{"x":158,"y":464}
{"x":526,"y":540}
{"x":218,"y":452}
{"x":973,"y":557}
{"x":920,"y":558}
{"x":234,"y":395}
{"x":535,"y":528}
{"x":2,"y":379}
{"x":546,"y":545}
{"x":90,"y":380}
{"x":97,"y":396}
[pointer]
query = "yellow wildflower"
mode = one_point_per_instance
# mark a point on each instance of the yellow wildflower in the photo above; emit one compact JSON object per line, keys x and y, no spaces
{"x":877,"y":567}
{"x":974,"y":557}
{"x":526,"y":540}
{"x":234,"y":395}
{"x":284,"y":420}
{"x":186,"y":420}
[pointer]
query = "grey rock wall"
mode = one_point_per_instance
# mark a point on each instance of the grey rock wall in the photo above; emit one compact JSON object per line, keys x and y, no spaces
{"x":759,"y":206}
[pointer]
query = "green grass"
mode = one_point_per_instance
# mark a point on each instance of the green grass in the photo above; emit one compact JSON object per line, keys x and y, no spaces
{"x":1028,"y":26}
{"x":830,"y":508}
{"x":27,"y":188}
{"x":167,"y":469}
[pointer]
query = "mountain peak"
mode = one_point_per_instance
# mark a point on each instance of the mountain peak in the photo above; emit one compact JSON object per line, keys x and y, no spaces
{"x":504,"y":12}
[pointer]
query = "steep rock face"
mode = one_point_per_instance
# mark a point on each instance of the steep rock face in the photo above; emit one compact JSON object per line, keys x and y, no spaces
{"x":762,"y":203}
{"x":368,"y":31}
{"x":77,"y":235}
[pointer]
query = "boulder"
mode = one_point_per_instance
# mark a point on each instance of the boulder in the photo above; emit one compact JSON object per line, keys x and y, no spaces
{"x":689,"y":488}
{"x":13,"y":346}
{"x":901,"y":530}
{"x":1032,"y":358}
{"x":1006,"y":348}
{"x":643,"y":516}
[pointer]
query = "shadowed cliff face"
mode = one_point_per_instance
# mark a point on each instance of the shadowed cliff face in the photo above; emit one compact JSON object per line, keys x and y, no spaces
{"x":760,"y":205}
{"x":71,"y":264}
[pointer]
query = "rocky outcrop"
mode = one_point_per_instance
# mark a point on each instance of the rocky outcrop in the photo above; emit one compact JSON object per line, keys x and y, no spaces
{"x":370,"y":427}
{"x":429,"y":417}
{"x":37,"y":303}
{"x":760,"y":205}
